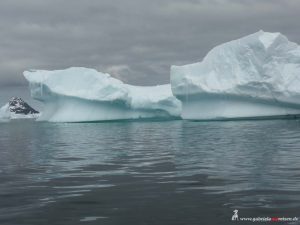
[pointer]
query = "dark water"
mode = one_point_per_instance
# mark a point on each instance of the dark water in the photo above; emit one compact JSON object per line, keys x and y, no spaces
{"x":138,"y":173}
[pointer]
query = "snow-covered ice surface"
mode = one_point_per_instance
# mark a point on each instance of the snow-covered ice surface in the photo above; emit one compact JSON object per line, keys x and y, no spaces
{"x":255,"y":76}
{"x":80,"y":94}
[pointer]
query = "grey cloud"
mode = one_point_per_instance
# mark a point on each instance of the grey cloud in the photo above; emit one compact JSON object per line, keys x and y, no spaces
{"x":134,"y":40}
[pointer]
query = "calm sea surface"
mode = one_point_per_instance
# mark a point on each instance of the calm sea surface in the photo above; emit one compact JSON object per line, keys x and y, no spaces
{"x":148,"y":173}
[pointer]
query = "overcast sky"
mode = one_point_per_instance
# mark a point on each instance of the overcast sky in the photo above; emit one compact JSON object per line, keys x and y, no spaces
{"x":134,"y":40}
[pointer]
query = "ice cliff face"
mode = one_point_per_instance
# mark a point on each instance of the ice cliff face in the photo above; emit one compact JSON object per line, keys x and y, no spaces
{"x":16,"y":108}
{"x":255,"y":76}
{"x":81,"y":94}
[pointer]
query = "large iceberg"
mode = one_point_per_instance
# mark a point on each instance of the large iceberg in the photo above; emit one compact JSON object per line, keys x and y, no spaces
{"x":79,"y":94}
{"x":255,"y":76}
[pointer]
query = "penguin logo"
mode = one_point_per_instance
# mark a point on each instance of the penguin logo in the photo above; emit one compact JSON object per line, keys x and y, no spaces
{"x":235,"y":216}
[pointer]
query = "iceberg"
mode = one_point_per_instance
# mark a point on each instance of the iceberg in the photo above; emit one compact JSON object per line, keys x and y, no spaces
{"x":255,"y":76}
{"x":80,"y":94}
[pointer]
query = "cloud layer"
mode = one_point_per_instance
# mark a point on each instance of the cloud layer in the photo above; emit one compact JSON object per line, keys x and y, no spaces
{"x":134,"y":40}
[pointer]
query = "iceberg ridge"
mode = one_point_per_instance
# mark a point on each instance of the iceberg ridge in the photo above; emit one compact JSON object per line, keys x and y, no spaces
{"x":80,"y":94}
{"x":255,"y":76}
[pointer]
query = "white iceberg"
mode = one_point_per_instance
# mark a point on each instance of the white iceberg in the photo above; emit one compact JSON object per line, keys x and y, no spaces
{"x":255,"y":76}
{"x":81,"y":94}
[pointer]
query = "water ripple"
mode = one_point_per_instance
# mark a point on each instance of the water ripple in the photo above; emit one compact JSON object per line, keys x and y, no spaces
{"x":109,"y":171}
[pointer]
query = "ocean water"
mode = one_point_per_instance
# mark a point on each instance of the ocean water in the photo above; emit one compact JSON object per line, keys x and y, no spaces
{"x":151,"y":172}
